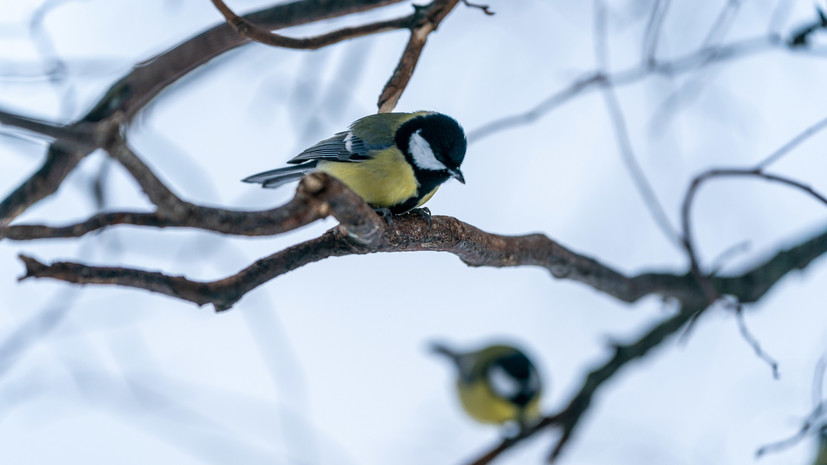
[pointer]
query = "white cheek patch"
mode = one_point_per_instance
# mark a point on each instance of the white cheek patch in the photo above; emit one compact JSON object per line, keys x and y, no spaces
{"x":349,"y":141}
{"x":503,"y":384}
{"x":422,"y":154}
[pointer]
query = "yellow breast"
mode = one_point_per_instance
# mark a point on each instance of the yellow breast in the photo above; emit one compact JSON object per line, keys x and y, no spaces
{"x":486,"y":407}
{"x":383,"y":181}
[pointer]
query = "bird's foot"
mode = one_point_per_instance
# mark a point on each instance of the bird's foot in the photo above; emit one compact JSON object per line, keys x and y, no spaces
{"x":386,"y":214}
{"x":425,"y":213}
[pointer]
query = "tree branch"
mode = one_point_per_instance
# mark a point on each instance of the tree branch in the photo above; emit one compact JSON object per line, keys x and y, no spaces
{"x":432,"y":16}
{"x":318,"y":196}
{"x":361,"y":231}
{"x":747,"y":287}
{"x":134,"y":91}
{"x":256,"y":33}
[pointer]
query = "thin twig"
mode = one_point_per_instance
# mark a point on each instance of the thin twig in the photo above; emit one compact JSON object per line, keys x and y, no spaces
{"x":753,"y":341}
{"x":484,"y":8}
{"x":601,"y":42}
{"x":591,"y":80}
{"x":651,"y":37}
{"x":720,"y":261}
{"x":818,"y":381}
{"x":809,"y":422}
{"x":792,"y":143}
{"x":431,"y":17}
{"x":635,"y":171}
{"x":812,"y":420}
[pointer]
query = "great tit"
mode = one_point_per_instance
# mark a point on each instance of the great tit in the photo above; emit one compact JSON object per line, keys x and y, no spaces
{"x":496,"y":384}
{"x":821,"y":458}
{"x":394,"y":161}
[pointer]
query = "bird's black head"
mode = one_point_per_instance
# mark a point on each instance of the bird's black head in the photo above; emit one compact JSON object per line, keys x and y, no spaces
{"x":434,"y":144}
{"x":513,"y":377}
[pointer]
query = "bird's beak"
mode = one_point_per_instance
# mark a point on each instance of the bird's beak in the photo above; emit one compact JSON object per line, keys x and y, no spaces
{"x":456,"y":173}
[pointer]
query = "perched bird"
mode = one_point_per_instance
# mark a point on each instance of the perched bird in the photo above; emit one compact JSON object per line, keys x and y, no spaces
{"x":821,"y":458}
{"x":496,"y":384}
{"x":394,"y":161}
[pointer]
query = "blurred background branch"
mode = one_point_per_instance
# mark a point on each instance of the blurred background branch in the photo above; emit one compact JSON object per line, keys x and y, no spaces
{"x":695,"y":288}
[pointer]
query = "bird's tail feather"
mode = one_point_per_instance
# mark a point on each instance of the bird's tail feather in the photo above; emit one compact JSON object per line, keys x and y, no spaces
{"x":275,"y":178}
{"x":442,"y":349}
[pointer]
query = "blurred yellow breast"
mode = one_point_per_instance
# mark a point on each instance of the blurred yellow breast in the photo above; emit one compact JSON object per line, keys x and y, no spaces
{"x":486,"y":407}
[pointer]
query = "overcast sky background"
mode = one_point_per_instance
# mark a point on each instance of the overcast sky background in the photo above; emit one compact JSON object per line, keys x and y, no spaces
{"x":329,"y":364}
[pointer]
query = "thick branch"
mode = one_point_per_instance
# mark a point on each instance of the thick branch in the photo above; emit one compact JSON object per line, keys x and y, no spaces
{"x":361,"y":231}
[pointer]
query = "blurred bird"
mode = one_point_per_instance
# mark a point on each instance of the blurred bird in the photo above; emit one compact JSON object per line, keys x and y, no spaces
{"x":394,"y":161}
{"x":496,"y":384}
{"x":821,"y":458}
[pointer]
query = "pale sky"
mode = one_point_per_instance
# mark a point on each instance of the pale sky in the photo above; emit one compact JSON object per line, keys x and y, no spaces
{"x":329,"y":363}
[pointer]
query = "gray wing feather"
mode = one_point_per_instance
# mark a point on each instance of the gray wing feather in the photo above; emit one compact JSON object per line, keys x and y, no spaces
{"x":343,"y":146}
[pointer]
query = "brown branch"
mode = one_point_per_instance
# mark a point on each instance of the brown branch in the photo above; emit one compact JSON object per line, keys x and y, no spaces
{"x":422,"y":22}
{"x":158,"y":193}
{"x":361,"y":231}
{"x":485,"y":8}
{"x":432,"y":16}
{"x":144,"y":82}
{"x":130,"y":94}
{"x":70,"y":135}
{"x":747,"y":287}
{"x":317,"y":196}
{"x":43,"y":183}
{"x":256,"y":33}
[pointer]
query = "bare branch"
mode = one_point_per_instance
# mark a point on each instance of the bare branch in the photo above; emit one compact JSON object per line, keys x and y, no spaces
{"x":70,"y":135}
{"x":801,"y":36}
{"x":792,"y":143}
{"x":689,"y":240}
{"x":362,"y":231}
{"x":591,"y":80}
{"x":43,"y":183}
{"x":722,"y":22}
{"x":130,"y":94}
{"x":317,"y":196}
{"x":158,"y":192}
{"x":601,"y":43}
{"x":748,"y":287}
{"x":753,"y":341}
{"x":651,"y":37}
{"x":568,"y":419}
{"x":433,"y":15}
{"x":256,"y":33}
{"x":484,"y":8}
{"x":635,"y":171}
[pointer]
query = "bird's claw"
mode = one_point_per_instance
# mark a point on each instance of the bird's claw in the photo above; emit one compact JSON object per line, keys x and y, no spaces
{"x":425,"y":213}
{"x":386,"y":214}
